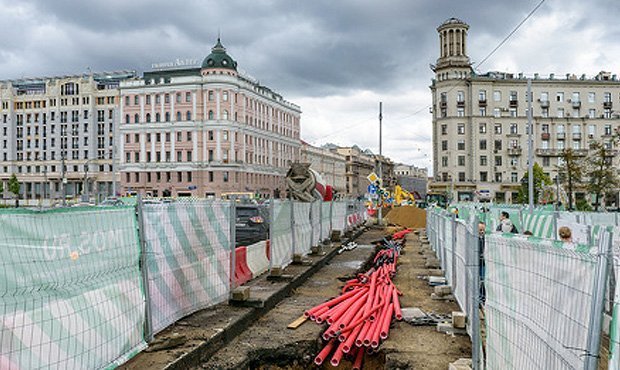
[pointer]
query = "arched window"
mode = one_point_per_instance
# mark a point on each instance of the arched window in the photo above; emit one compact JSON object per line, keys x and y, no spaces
{"x":225,"y":114}
{"x":148,"y":118}
{"x":235,"y":116}
{"x":178,"y":115}
{"x":188,"y":116}
{"x":157,"y":117}
{"x":167,"y":117}
{"x":210,"y":114}
{"x":136,"y":118}
{"x":127,"y":118}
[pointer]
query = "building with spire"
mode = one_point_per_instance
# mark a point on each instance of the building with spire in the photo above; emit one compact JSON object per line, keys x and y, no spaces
{"x":205,"y":130}
{"x":480,"y":133}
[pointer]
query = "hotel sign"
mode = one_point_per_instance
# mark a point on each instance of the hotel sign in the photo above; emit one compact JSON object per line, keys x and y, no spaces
{"x":176,"y":64}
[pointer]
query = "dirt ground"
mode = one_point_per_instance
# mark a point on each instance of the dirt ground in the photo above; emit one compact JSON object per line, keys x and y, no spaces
{"x":407,"y":216}
{"x":268,"y":344}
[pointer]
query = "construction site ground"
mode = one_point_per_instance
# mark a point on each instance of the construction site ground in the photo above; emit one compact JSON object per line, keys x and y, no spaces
{"x":268,"y":344}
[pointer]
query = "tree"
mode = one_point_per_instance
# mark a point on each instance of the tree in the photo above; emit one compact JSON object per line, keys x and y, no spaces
{"x":602,"y":176}
{"x":539,"y":179}
{"x":14,"y":188}
{"x":571,"y":170}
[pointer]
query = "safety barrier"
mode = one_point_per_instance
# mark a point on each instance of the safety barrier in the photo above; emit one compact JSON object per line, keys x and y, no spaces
{"x":339,"y":214}
{"x":257,"y":258}
{"x":70,"y":288}
{"x":545,"y":300}
{"x":88,"y":287}
{"x":188,"y":257}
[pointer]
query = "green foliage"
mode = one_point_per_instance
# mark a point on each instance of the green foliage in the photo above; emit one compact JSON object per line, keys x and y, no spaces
{"x":539,"y":179}
{"x":601,"y":173}
{"x":583,"y":205}
{"x":14,"y":185}
{"x":571,"y":171}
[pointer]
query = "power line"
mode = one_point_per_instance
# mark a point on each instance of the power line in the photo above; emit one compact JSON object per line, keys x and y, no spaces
{"x":511,"y":33}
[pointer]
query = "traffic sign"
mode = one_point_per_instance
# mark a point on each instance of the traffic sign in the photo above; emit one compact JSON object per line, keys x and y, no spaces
{"x":373,"y":177}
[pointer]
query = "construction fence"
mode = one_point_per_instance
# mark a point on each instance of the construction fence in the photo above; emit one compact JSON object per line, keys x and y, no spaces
{"x":547,"y":303}
{"x":89,"y":287}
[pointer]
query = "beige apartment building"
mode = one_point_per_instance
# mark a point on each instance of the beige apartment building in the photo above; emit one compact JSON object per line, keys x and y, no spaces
{"x":359,"y":164}
{"x":480,"y":133}
{"x":48,"y":121}
{"x":330,"y":165}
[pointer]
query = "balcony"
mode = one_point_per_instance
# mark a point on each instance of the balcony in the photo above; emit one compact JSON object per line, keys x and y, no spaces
{"x":576,"y":136}
{"x":561,"y":135}
{"x":576,"y":104}
{"x":460,"y":104}
{"x":515,"y":151}
{"x":544,"y":103}
{"x":443,"y":104}
{"x":514,"y":103}
{"x":607,"y":104}
{"x":548,"y":152}
{"x":482,"y":102}
{"x":545,"y":136}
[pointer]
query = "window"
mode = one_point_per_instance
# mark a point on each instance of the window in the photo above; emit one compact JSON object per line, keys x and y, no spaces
{"x":210,"y":154}
{"x":560,"y":145}
{"x":188,"y":116}
{"x":559,"y":97}
{"x":225,"y":176}
{"x":498,"y":177}
{"x":189,"y":155}
{"x":188,"y":98}
{"x":544,"y":128}
{"x":546,"y":161}
{"x":210,"y":176}
{"x":498,"y":160}
{"x":189,"y":135}
{"x":460,"y":112}
{"x":210,"y":95}
{"x":167,"y":137}
{"x":560,"y":129}
{"x":460,"y":129}
{"x":157,"y":117}
{"x":460,"y":96}
{"x":167,"y":99}
{"x":607,"y":129}
{"x":178,"y":97}
{"x":148,"y":101}
{"x":461,"y":176}
{"x":560,"y":112}
{"x":498,"y":128}
{"x":225,"y":96}
{"x":514,"y":129}
{"x":483,"y":160}
{"x":484,"y":176}
{"x":127,"y":100}
{"x":461,"y":160}
{"x":482,"y":95}
{"x":591,"y":131}
{"x":444,"y":145}
{"x":482,"y":128}
{"x":148,"y":117}
{"x":460,"y":145}
{"x":444,"y":161}
{"x":514,"y":161}
{"x":497,"y":145}
{"x":444,"y":129}
{"x":210,"y":135}
{"x":179,"y":136}
{"x":167,"y":117}
{"x":211,"y":114}
{"x":497,"y":112}
{"x":576,"y":129}
{"x":545,"y":144}
{"x":513,"y":112}
{"x":607,"y":97}
{"x":483,"y":144}
{"x":592,"y":113}
{"x":513,"y":96}
{"x":514,"y":143}
{"x":497,"y":95}
{"x":136,"y":118}
{"x":575,"y":98}
{"x":157,"y":99}
{"x":482,"y":111}
{"x":514,"y":177}
{"x":607,"y":113}
{"x":225,"y":115}
{"x":544,"y":96}
{"x":576,"y":144}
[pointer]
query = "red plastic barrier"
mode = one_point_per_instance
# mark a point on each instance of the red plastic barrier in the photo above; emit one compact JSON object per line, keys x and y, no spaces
{"x":242,"y":271}
{"x":268,"y":249}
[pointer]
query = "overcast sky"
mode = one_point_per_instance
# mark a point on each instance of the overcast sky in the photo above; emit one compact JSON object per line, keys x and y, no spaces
{"x":336,"y":59}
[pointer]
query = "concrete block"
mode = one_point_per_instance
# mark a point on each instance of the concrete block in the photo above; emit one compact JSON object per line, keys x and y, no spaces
{"x":442,"y":290}
{"x":447,"y":297}
{"x":461,"y":364}
{"x":432,"y":264}
{"x":410,"y":313}
{"x":436,"y":280}
{"x":435,"y":272}
{"x":241,"y":294}
{"x":458,"y":319}
{"x":444,"y":327}
{"x":298,"y":259}
{"x":335,"y":237}
{"x":276,"y":271}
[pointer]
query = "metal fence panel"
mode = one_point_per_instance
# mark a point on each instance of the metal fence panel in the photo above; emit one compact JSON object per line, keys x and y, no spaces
{"x":339,"y":215}
{"x":281,"y":234}
{"x":537,"y":304}
{"x":316,"y":222}
{"x":303,"y":227}
{"x":70,"y":288}
{"x":188,"y":258}
{"x":326,"y":220}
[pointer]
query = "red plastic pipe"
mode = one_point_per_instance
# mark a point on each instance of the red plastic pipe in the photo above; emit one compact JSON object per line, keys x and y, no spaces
{"x":324,"y":352}
{"x":397,"y":312}
{"x":385,"y":328}
{"x":357,"y":365}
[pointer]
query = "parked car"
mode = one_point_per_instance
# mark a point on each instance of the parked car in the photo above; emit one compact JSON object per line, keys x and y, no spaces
{"x":111,"y":201}
{"x":251,"y":224}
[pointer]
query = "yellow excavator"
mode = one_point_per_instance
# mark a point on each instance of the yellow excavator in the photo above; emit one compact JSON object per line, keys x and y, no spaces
{"x":403,"y":197}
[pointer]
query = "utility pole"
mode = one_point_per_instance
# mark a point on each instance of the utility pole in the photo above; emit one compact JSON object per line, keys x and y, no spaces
{"x":63,"y":180}
{"x":380,"y":202}
{"x":530,"y":145}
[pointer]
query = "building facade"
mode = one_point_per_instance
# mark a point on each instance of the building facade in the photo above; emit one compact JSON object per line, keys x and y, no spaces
{"x":480,"y":133}
{"x":358,"y":166}
{"x":205,"y":131}
{"x":48,"y":121}
{"x":330,"y":165}
{"x":412,"y":178}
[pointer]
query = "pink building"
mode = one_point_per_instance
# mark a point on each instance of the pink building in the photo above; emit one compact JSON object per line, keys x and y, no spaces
{"x":205,"y":131}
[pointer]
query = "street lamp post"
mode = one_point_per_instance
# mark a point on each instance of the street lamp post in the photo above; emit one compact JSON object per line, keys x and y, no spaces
{"x":85,"y":192}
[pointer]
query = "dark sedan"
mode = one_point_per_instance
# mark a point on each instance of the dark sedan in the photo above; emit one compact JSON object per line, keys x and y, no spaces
{"x":251,"y":224}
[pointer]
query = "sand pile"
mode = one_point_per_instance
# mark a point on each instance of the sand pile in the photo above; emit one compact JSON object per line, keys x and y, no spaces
{"x":407,"y":216}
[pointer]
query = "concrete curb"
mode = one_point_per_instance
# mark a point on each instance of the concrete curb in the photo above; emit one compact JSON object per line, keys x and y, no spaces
{"x":207,"y":348}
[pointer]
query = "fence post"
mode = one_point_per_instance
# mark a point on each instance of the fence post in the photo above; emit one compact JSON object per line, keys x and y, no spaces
{"x":320,"y":222}
{"x":475,"y":294}
{"x":555,"y":225}
{"x":331,"y":214}
{"x":454,"y":225}
{"x":293,"y":225}
{"x":148,"y":322}
{"x":272,"y":221}
{"x":310,"y":214}
{"x":597,"y":306}
{"x":233,"y":244}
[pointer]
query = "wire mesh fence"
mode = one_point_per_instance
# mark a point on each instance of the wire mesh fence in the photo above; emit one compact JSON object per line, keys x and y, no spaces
{"x":544,"y":300}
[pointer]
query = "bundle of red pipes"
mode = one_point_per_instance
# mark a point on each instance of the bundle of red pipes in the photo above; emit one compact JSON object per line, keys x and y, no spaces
{"x":360,"y":317}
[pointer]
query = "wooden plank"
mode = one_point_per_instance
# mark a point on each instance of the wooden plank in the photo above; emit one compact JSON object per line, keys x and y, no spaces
{"x":297,"y":323}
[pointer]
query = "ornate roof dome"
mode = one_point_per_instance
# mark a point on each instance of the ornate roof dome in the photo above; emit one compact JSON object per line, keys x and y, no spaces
{"x":219,"y":58}
{"x":453,"y":21}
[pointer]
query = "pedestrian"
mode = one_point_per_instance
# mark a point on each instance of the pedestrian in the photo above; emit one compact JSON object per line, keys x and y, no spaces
{"x":566,"y":235}
{"x":505,"y":224}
